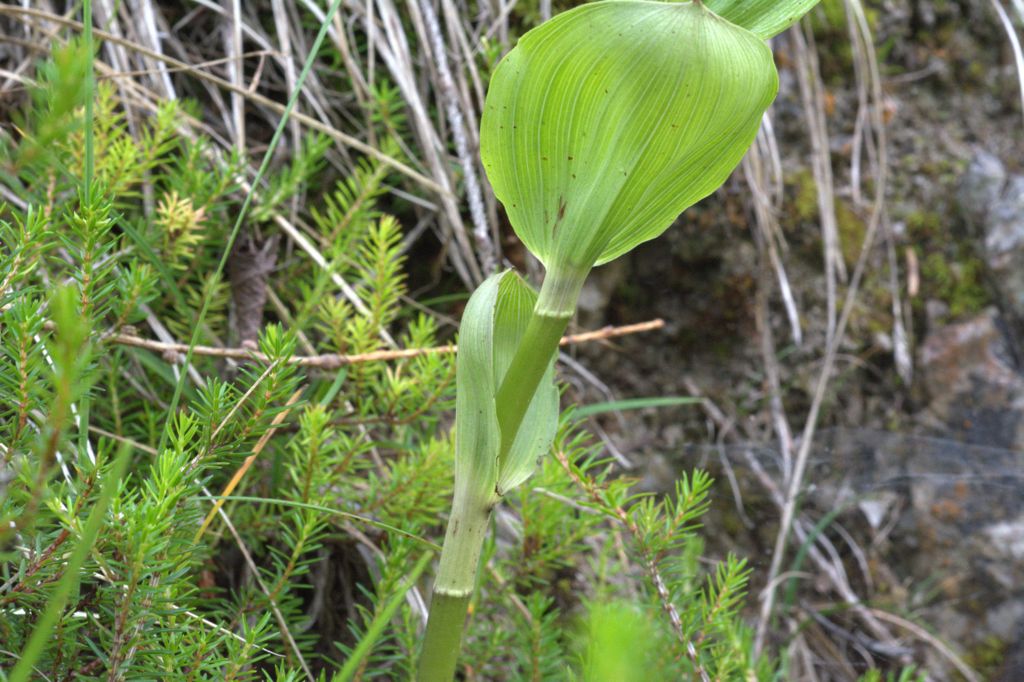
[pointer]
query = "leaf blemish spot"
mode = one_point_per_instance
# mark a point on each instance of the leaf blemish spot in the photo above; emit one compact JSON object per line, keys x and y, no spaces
{"x":561,"y":216}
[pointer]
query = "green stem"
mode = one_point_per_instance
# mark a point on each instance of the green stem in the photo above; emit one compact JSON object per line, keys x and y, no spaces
{"x":471,"y":508}
{"x":555,"y":307}
{"x":443,"y":639}
{"x":453,"y":588}
{"x":529,"y":364}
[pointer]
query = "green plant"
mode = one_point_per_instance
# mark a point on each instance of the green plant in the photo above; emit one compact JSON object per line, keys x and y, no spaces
{"x":599,"y":128}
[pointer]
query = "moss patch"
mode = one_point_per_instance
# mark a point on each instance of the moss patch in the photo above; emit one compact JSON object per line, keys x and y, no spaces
{"x":959,"y":283}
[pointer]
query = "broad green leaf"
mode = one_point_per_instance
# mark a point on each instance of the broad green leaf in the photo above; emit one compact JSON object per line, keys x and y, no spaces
{"x":605,"y":123}
{"x":763,"y":18}
{"x":492,"y":326}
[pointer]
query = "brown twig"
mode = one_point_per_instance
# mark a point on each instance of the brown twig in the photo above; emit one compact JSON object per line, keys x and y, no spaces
{"x":334,"y":361}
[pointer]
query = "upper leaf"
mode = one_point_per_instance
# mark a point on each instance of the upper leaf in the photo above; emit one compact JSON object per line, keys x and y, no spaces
{"x":763,"y":18}
{"x":605,"y":123}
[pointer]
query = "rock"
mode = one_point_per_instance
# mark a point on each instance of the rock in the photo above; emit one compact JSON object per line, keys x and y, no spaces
{"x":936,"y":312}
{"x":976,"y":390}
{"x":1008,"y":536}
{"x":876,"y":506}
{"x":981,"y":186}
{"x":1013,"y":667}
{"x":992,"y":203}
{"x":1004,"y":245}
{"x":941,"y":513}
{"x":940,"y":524}
{"x":1005,"y":619}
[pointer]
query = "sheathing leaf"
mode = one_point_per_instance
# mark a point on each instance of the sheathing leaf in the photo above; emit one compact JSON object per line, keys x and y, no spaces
{"x":516,"y":301}
{"x":477,"y":436}
{"x":493,"y":324}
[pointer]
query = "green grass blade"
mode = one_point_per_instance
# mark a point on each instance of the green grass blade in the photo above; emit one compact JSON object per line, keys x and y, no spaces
{"x":633,"y":404}
{"x":90,"y":94}
{"x":334,"y":512}
{"x":380,"y":622}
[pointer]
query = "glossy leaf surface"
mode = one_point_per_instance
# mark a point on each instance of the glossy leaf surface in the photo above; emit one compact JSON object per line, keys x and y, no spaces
{"x":492,"y":325}
{"x":602,"y":125}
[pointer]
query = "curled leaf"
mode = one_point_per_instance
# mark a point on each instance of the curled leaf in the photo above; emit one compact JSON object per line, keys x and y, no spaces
{"x":492,"y":326}
{"x":605,"y":123}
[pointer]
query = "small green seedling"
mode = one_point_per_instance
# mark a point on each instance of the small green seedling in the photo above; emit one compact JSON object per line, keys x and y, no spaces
{"x":600,"y":127}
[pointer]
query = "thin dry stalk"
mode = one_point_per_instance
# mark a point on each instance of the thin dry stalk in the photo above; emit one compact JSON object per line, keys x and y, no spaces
{"x":149,"y":34}
{"x":969,"y":674}
{"x":393,"y":47}
{"x":290,"y":77}
{"x":233,"y":48}
{"x":866,"y":137}
{"x":282,"y":623}
{"x":795,"y":482}
{"x":247,"y":464}
{"x":813,"y":99}
{"x":481,"y":233}
{"x":802,"y":527}
{"x":26,"y":13}
{"x":764,"y":182}
{"x":773,"y":381}
{"x":1011,"y":34}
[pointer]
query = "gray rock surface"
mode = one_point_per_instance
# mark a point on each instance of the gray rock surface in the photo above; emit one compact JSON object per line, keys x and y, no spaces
{"x":974,"y":386}
{"x":992,"y":202}
{"x":1004,"y":245}
{"x":981,"y":186}
{"x":940,"y":523}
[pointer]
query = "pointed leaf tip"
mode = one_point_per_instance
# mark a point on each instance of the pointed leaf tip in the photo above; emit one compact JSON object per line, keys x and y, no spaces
{"x":763,"y":18}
